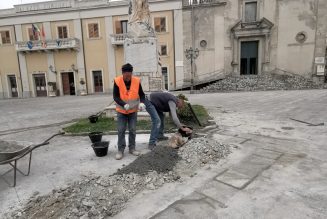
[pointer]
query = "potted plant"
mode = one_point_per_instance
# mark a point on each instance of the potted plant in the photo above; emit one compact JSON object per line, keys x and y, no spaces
{"x":83,"y":91}
{"x":52,"y":89}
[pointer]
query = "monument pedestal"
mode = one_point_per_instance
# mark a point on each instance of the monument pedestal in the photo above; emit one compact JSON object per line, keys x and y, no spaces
{"x":143,"y":54}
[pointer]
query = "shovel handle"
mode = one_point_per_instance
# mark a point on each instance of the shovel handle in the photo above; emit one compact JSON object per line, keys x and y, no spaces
{"x":194,"y":115}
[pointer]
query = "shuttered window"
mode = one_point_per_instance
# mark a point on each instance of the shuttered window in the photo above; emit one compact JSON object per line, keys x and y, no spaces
{"x":93,"y":30}
{"x":160,"y":24}
{"x":5,"y":37}
{"x":250,"y":12}
{"x":62,"y":32}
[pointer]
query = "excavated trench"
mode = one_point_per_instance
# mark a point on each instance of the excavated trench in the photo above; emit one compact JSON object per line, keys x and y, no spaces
{"x":103,"y":196}
{"x":162,"y":160}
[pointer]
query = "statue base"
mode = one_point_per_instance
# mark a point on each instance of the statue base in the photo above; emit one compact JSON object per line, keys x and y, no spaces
{"x":142,"y":53}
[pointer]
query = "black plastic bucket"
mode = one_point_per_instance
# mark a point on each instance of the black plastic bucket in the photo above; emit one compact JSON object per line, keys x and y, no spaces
{"x":93,"y":118}
{"x":100,"y":148}
{"x":95,"y":136}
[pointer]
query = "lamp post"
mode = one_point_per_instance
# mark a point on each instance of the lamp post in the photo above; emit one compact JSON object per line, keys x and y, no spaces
{"x":192,"y":53}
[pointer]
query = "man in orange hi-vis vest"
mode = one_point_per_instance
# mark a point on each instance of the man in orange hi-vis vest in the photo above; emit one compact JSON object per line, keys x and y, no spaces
{"x":128,"y":93}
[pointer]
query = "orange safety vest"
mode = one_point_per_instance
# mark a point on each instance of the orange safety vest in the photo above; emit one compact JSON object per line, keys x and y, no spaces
{"x":130,"y":96}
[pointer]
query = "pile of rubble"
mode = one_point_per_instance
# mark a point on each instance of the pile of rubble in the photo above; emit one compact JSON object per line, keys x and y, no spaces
{"x":267,"y":81}
{"x":100,"y":197}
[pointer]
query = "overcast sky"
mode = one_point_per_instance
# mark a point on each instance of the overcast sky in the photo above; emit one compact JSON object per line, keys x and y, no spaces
{"x":4,"y":4}
{"x":10,"y":3}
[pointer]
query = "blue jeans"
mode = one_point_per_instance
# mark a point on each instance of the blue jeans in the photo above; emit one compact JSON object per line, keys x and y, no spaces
{"x":158,"y":122}
{"x":122,"y":121}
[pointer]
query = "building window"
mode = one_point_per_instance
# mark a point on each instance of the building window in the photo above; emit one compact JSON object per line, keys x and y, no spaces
{"x":97,"y":81}
{"x":13,"y":85}
{"x":163,"y":50}
{"x":93,"y":30}
{"x":62,"y":32}
{"x":5,"y":37}
{"x":32,"y":36}
{"x":121,"y":26}
{"x":160,"y":24}
{"x":250,"y":12}
{"x":164,"y":71}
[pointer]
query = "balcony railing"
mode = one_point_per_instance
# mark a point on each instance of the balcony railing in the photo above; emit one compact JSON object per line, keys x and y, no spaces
{"x":118,"y":39}
{"x":48,"y":45}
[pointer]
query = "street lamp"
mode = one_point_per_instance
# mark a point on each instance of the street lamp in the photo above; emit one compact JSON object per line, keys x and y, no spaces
{"x":192,"y":54}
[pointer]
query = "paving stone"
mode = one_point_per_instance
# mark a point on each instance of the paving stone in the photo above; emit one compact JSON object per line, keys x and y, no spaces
{"x":268,"y":153}
{"x":228,"y":139}
{"x":192,"y":206}
{"x":218,"y":191}
{"x":253,"y":165}
{"x":234,"y":178}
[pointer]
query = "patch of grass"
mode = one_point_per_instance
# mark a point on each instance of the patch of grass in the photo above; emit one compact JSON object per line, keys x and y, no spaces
{"x":105,"y":124}
{"x":201,"y":114}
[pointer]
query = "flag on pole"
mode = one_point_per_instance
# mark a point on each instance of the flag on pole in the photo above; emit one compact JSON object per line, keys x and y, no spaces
{"x":42,"y":32}
{"x":36,"y":30}
{"x":44,"y":44}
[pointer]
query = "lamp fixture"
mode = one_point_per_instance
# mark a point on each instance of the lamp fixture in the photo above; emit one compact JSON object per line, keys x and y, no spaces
{"x":51,"y":68}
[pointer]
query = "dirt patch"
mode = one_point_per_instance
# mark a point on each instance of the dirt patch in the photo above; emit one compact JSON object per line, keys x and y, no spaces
{"x":162,"y":160}
{"x":100,"y":197}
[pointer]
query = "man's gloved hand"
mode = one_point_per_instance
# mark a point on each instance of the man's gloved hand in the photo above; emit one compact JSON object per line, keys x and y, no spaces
{"x":126,"y":106}
{"x":141,"y":107}
{"x":187,"y":130}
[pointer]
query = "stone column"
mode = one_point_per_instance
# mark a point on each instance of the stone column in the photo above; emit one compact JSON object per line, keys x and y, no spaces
{"x":80,"y":56}
{"x":26,"y":92}
{"x":52,"y":77}
{"x":1,"y":89}
{"x":266,"y":53}
{"x":321,"y":33}
{"x":110,"y":52}
{"x":235,"y":62}
{"x":179,"y":50}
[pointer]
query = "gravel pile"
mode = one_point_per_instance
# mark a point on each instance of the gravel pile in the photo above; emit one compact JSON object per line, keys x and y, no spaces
{"x":100,"y":197}
{"x":263,"y":82}
{"x":162,"y":159}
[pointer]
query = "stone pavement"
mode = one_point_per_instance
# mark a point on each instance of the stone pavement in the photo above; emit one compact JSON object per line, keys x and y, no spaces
{"x":277,"y":169}
{"x":21,"y":114}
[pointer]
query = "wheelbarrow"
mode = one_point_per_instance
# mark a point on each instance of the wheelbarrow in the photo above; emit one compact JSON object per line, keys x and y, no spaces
{"x":12,"y":158}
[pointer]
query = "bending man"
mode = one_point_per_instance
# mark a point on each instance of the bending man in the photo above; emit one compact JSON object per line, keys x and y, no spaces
{"x":157,"y":104}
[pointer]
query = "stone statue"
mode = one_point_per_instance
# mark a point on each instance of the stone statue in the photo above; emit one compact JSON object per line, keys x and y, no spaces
{"x":139,"y":19}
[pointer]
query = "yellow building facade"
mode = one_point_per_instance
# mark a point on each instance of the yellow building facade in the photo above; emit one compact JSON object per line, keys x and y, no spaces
{"x":48,"y":48}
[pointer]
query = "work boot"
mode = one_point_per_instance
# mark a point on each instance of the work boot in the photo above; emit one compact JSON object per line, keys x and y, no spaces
{"x":162,"y":138}
{"x":134,"y":152}
{"x":152,"y":146}
{"x":119,"y":155}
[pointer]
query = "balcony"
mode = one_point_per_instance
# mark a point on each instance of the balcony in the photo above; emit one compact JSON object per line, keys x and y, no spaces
{"x":118,"y":39}
{"x":48,"y":45}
